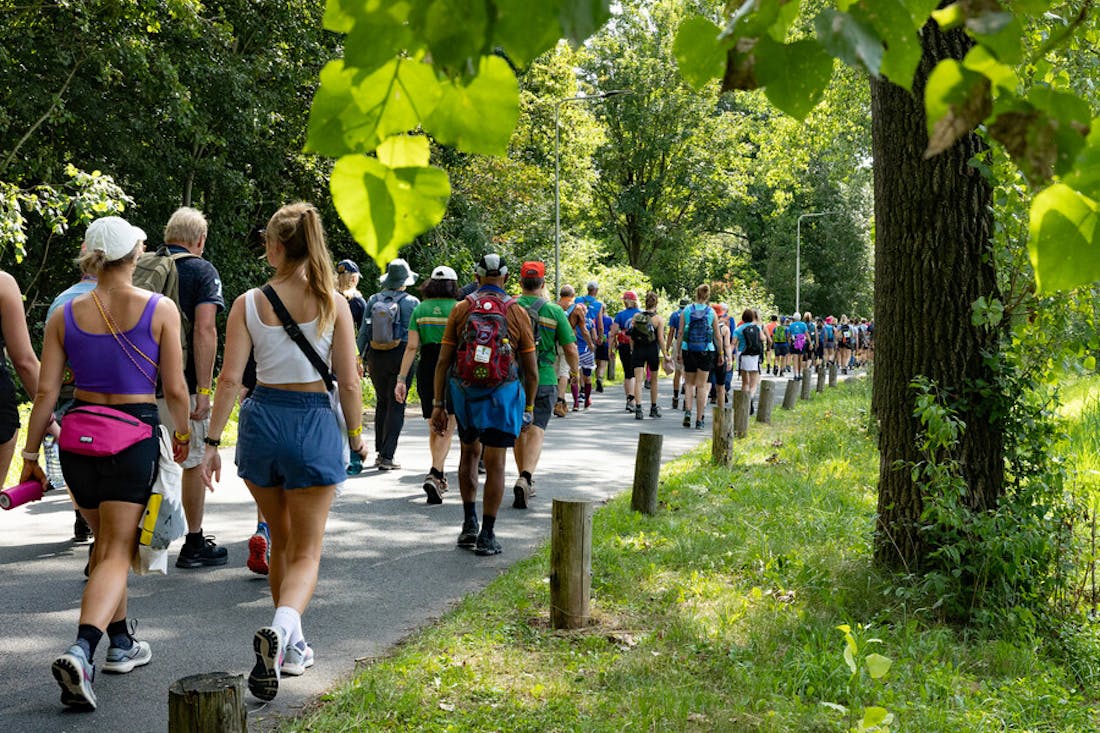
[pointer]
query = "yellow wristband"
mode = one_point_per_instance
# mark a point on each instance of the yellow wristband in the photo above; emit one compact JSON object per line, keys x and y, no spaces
{"x":181,"y":437}
{"x":355,"y":432}
{"x":529,"y":408}
{"x":203,"y":390}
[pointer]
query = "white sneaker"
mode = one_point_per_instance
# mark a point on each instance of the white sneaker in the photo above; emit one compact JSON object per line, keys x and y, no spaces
{"x":296,"y":661}
{"x":121,"y":661}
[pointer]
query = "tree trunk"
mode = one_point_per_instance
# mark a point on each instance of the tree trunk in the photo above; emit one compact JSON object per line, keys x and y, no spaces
{"x":932,"y":261}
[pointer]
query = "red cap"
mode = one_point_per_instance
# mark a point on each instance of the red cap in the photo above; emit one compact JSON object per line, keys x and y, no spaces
{"x":629,"y":295}
{"x":532,"y":269}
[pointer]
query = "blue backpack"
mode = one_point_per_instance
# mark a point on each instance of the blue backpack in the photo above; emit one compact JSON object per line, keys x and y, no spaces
{"x":700,"y":335}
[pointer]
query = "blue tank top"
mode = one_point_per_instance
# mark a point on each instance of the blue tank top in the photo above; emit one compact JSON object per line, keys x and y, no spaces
{"x":99,"y":362}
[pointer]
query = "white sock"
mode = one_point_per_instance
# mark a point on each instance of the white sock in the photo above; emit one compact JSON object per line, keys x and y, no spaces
{"x":296,"y":636}
{"x":287,"y":620}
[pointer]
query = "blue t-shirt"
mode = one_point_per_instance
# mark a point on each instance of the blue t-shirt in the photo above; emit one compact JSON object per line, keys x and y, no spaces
{"x":685,"y":318}
{"x":70,"y":293}
{"x":674,"y":322}
{"x":623,"y":319}
{"x":828,"y":332}
{"x":798,"y":327}
{"x":591,"y":304}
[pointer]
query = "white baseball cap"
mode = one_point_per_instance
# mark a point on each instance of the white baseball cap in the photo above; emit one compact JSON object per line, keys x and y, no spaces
{"x":113,"y":236}
{"x":444,"y":273}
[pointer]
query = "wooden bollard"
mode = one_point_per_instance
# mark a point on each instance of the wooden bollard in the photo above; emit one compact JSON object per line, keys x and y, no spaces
{"x":207,"y":703}
{"x":741,"y":402}
{"x":832,"y":373}
{"x":807,"y":386}
{"x":820,"y":378}
{"x":764,"y":407}
{"x":647,"y":473}
{"x":790,"y":395}
{"x":570,"y":563}
{"x":721,"y":443}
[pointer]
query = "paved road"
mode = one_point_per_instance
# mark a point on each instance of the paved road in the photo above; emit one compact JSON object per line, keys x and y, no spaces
{"x":390,"y":566}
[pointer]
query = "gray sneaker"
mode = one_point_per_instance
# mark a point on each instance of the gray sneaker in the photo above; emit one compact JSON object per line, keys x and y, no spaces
{"x":435,"y":488}
{"x":121,"y":661}
{"x":468,"y":536}
{"x":296,"y":661}
{"x":75,"y":674}
{"x":487,"y":545}
{"x":388,"y":464}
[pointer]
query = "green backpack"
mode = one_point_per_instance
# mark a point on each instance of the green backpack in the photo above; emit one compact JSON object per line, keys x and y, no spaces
{"x":156,"y":271}
{"x":779,"y":335}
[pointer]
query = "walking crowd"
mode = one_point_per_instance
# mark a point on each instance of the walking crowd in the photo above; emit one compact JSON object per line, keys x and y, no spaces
{"x":132,"y":346}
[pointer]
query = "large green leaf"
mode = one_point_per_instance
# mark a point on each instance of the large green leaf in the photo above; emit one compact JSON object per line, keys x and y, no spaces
{"x":378,"y":36}
{"x":526,"y":29}
{"x":582,"y":18}
{"x":405,"y":151}
{"x":794,"y":75}
{"x":1085,"y":176}
{"x":1064,"y":241}
{"x":385,"y":208}
{"x":849,"y":39}
{"x":478,"y":116}
{"x":699,"y":54}
{"x":893,"y":23}
{"x":1000,"y":32}
{"x":1002,"y":76}
{"x":395,"y":98}
{"x":333,"y":108}
{"x":956,"y":99}
{"x":878,"y":665}
{"x":455,"y":31}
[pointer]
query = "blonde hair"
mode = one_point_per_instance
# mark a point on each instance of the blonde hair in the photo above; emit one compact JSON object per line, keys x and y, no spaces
{"x":94,"y":261}
{"x":298,"y":228}
{"x":346,"y":282}
{"x":702,"y":293}
{"x":651,"y":300}
{"x":185,"y":226}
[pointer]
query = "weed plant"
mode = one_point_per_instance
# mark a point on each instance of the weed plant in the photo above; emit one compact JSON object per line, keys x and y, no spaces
{"x":721,"y":613}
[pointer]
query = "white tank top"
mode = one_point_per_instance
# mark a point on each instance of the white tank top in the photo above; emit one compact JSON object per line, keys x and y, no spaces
{"x":278,"y":358}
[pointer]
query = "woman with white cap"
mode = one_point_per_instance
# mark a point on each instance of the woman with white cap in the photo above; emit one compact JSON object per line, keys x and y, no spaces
{"x":117,"y":340}
{"x":382,"y":340}
{"x":426,"y":335}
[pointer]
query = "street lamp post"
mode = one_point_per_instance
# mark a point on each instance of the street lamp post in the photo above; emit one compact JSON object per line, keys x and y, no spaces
{"x":798,"y":257}
{"x":557,"y":171}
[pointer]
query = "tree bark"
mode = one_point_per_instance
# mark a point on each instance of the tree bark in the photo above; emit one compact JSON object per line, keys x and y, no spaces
{"x":932,"y":261}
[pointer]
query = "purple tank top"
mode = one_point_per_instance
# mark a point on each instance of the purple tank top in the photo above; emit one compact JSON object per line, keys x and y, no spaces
{"x":99,"y":363}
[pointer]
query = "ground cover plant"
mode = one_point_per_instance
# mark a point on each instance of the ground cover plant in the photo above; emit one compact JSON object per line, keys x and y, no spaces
{"x":749,"y":603}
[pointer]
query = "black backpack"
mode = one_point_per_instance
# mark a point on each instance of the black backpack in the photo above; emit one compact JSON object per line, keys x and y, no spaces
{"x":753,"y":345}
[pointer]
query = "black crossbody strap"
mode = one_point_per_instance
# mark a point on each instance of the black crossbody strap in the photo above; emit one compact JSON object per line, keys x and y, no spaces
{"x":296,"y":335}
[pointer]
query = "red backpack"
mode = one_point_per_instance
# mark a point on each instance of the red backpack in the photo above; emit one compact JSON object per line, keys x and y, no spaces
{"x":485,"y":358}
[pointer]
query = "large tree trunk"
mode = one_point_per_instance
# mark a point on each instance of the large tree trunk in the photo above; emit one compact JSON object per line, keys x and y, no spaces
{"x":932,"y":261}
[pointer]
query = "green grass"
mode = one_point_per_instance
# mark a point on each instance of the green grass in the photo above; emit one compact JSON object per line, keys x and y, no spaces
{"x":720,"y":613}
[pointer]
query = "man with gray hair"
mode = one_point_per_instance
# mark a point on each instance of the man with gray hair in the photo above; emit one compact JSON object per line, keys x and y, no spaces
{"x":200,"y":301}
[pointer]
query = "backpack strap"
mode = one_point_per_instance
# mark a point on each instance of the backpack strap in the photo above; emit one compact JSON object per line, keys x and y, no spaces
{"x":295,"y":333}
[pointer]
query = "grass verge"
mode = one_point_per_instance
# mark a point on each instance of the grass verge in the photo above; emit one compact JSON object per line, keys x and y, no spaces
{"x":720,"y":613}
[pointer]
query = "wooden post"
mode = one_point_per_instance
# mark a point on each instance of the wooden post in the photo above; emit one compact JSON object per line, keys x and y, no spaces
{"x":207,"y":703}
{"x":721,"y":444}
{"x":790,"y":395}
{"x":570,"y":563}
{"x":821,"y":377}
{"x":647,"y":473}
{"x":807,"y":386}
{"x":832,"y":373}
{"x":764,"y":407}
{"x":741,"y":402}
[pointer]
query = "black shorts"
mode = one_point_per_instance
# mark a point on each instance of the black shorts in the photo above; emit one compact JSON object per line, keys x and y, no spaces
{"x":9,"y":410}
{"x":490,"y":437}
{"x":782,"y":349}
{"x":425,"y":381}
{"x":646,"y":355}
{"x":601,"y":352}
{"x":698,"y":361}
{"x":626,"y":360}
{"x":127,"y":476}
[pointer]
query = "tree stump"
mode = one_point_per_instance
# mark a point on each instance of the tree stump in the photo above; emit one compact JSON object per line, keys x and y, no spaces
{"x":570,"y":563}
{"x":807,"y":386}
{"x":741,"y":402}
{"x":721,"y":444}
{"x":767,"y":397}
{"x":820,"y":378}
{"x":832,"y":373}
{"x":790,"y":395}
{"x":207,"y":703}
{"x":647,"y":473}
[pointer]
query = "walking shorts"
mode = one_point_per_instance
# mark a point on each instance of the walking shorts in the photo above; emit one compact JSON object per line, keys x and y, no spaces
{"x":126,"y":476}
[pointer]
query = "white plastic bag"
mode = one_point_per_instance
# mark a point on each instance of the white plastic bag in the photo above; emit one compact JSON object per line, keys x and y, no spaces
{"x":163,"y":521}
{"x":147,"y":561}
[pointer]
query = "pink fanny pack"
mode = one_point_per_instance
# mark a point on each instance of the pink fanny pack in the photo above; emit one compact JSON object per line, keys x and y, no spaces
{"x":97,"y":430}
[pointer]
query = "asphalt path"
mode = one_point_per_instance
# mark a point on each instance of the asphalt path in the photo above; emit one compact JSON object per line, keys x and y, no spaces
{"x":390,"y":566}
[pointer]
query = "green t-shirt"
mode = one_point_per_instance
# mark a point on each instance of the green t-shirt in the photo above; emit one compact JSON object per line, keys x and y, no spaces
{"x":554,"y":329}
{"x":429,"y":319}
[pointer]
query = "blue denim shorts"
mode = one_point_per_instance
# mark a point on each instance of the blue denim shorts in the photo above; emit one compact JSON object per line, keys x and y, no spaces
{"x":289,"y":439}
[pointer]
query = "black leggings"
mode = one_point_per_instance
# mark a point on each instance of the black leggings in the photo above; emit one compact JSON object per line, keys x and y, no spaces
{"x":126,"y":476}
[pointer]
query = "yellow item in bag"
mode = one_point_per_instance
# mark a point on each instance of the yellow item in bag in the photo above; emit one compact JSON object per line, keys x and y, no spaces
{"x":149,"y":519}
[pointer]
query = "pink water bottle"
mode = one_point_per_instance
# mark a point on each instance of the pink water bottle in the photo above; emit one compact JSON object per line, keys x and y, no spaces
{"x":24,"y":493}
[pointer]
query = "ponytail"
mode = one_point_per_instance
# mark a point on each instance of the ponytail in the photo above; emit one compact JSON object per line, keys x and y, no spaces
{"x":298,"y":228}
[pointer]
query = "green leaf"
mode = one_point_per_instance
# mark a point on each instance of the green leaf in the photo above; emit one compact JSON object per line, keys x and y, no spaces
{"x":794,"y":75}
{"x":950,"y":17}
{"x":873,"y":717}
{"x":525,"y":29}
{"x":582,"y":18}
{"x":955,"y":101}
{"x":894,"y":25}
{"x":1002,"y":76}
{"x":479,"y":116}
{"x":1064,"y":241}
{"x":1001,"y":33}
{"x":919,"y":10}
{"x":455,"y":31}
{"x":878,"y":665}
{"x":849,"y":40}
{"x":699,"y":54}
{"x":378,"y":36}
{"x":1085,"y":176}
{"x":405,"y":151}
{"x":850,"y":659}
{"x":395,"y":98}
{"x":385,"y":208}
{"x":333,"y":106}
{"x":337,"y":18}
